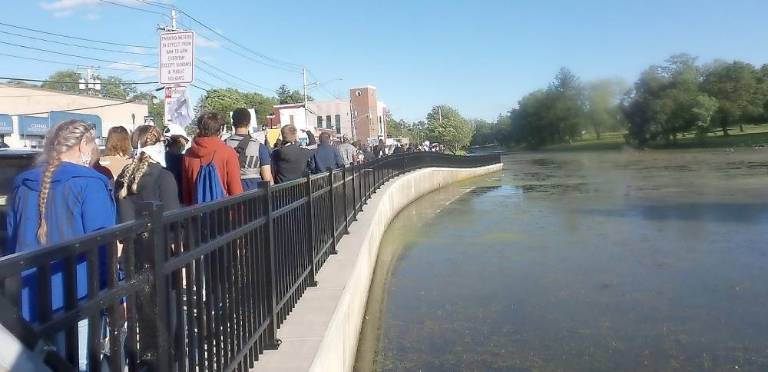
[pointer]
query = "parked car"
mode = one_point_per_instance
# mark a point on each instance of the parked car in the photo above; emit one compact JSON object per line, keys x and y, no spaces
{"x":12,"y":162}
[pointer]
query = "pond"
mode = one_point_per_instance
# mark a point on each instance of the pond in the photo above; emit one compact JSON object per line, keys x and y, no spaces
{"x":602,"y":261}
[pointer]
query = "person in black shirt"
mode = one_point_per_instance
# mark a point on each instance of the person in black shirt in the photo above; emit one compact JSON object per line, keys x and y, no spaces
{"x":290,"y":161}
{"x":145,"y":178}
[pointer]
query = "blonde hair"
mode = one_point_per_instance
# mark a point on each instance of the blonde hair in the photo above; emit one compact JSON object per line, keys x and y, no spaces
{"x":62,"y":138}
{"x":128,"y":180}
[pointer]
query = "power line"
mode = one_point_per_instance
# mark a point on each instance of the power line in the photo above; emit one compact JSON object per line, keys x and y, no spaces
{"x":159,"y":5}
{"x":322,"y":86}
{"x":76,"y":45}
{"x":76,"y":37}
{"x":199,"y":87}
{"x":132,"y":100}
{"x":66,"y":63}
{"x":215,"y":76}
{"x":276,"y":63}
{"x":204,"y":82}
{"x":76,"y":82}
{"x":242,"y":55}
{"x":295,"y":67}
{"x":75,"y":55}
{"x":135,"y":8}
{"x":234,"y":76}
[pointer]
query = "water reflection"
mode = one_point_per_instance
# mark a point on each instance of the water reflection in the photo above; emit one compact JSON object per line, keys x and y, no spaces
{"x":587,"y":262}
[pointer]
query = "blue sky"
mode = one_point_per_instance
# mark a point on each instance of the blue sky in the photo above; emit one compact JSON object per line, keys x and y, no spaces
{"x":479,"y":56}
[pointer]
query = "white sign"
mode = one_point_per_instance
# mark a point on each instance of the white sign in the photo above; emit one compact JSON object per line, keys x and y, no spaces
{"x":177,"y":57}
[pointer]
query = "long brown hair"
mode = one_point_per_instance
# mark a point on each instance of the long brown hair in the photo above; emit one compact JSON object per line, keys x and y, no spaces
{"x":128,"y":181}
{"x":62,"y":138}
{"x":118,"y":142}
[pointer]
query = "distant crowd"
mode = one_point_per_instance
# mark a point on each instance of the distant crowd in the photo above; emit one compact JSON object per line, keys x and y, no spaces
{"x":76,"y":189}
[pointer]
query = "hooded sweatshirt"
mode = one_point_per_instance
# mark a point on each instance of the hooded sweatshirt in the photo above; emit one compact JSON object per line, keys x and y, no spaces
{"x":79,"y":202}
{"x":203,"y":151}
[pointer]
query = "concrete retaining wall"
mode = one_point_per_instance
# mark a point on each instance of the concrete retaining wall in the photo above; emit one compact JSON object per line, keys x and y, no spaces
{"x":322,"y":332}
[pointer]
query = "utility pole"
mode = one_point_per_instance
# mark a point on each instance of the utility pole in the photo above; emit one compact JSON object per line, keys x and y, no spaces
{"x":440,"y":113}
{"x":172,"y":27}
{"x":304,"y":79}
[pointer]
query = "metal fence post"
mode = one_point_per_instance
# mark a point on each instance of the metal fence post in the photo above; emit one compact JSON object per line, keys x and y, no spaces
{"x":272,"y":341}
{"x":333,"y":211}
{"x":355,"y":195}
{"x":153,"y":303}
{"x":310,"y":236}
{"x":346,"y":199}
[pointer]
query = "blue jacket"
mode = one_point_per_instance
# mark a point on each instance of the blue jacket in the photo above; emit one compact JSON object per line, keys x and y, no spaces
{"x":326,"y":158}
{"x":80,"y":201}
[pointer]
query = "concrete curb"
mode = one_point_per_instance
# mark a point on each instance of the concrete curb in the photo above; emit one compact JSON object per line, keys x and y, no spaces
{"x":322,"y":332}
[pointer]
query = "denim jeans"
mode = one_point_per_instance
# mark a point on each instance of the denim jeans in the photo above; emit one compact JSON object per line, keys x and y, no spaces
{"x":82,"y":343}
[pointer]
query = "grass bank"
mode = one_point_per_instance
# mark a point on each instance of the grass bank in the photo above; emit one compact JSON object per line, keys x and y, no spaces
{"x":753,"y":135}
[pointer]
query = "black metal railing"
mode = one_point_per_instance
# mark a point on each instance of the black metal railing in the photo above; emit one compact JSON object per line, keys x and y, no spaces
{"x":203,"y":288}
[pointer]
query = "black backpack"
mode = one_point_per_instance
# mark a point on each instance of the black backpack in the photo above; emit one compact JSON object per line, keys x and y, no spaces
{"x":240,"y":149}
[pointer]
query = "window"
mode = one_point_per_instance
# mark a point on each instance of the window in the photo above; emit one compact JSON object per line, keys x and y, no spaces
{"x":319,"y":121}
{"x":328,"y":122}
{"x":338,"y":124}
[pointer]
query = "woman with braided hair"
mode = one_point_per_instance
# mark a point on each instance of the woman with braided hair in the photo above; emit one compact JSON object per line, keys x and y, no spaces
{"x":60,"y":199}
{"x":145,"y":179}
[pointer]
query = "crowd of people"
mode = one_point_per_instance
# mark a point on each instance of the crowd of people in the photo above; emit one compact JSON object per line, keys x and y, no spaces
{"x":77,"y":188}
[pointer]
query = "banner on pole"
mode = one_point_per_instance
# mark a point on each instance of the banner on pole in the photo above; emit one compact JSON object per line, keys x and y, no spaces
{"x":177,"y":107}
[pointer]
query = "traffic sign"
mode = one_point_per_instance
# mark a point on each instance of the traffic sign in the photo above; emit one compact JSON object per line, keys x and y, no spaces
{"x":177,"y":57}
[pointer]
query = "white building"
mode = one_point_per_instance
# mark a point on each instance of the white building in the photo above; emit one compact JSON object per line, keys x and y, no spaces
{"x":333,"y":116}
{"x":362,"y":117}
{"x":26,"y":114}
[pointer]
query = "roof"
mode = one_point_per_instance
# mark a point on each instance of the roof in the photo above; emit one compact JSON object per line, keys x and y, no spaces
{"x":6,"y":85}
{"x":289,"y":105}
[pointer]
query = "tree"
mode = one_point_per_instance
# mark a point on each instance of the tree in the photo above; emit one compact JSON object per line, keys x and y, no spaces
{"x":115,"y":87}
{"x":446,"y":126}
{"x":261,"y":104}
{"x":227,"y":100}
{"x":485,"y":132}
{"x":736,"y":87}
{"x":157,"y":112}
{"x":65,"y":81}
{"x":667,"y":101}
{"x":602,"y":111}
{"x":567,"y":99}
{"x":155,"y":107}
{"x":288,"y":96}
{"x":531,"y":124}
{"x":398,"y":128}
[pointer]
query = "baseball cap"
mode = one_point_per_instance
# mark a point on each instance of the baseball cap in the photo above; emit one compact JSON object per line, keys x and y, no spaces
{"x":174,"y":130}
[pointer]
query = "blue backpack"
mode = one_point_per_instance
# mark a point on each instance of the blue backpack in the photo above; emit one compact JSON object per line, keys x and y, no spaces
{"x":208,"y":183}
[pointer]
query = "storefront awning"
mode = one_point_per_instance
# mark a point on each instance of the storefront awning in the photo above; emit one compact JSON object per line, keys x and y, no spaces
{"x":59,"y":116}
{"x":6,"y":124}
{"x":33,"y":125}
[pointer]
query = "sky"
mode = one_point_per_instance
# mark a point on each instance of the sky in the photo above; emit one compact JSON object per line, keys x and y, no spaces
{"x":479,"y":56}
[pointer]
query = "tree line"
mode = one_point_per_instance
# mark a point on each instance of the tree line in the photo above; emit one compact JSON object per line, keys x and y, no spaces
{"x":676,"y":98}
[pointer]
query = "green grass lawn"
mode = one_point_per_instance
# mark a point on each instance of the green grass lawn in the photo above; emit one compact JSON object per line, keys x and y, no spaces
{"x":753,"y":135}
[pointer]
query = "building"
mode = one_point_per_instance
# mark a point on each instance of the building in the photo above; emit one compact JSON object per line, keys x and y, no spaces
{"x":332,"y":116}
{"x":27,"y":113}
{"x":362,"y":117}
{"x":369,"y":115}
